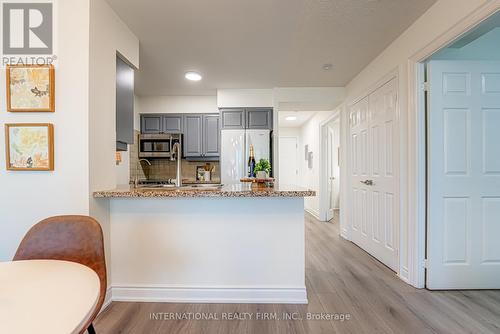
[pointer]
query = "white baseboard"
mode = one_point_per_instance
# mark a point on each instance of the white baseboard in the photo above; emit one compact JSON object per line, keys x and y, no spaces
{"x":404,"y":275}
{"x":209,"y":295}
{"x":314,"y":213}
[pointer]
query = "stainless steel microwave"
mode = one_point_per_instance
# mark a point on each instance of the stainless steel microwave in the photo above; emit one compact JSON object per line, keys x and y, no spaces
{"x":158,"y":145}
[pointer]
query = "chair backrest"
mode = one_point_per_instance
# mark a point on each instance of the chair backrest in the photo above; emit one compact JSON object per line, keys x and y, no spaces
{"x":69,"y":238}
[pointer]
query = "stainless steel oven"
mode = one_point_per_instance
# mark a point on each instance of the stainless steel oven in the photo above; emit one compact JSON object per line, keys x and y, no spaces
{"x":158,"y":145}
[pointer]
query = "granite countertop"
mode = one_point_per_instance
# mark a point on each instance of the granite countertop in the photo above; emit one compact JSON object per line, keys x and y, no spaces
{"x":236,"y":190}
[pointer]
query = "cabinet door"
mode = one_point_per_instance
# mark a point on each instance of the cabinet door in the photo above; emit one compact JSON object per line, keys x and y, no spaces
{"x":193,"y":135}
{"x":124,"y":102}
{"x":233,"y":118}
{"x":211,"y":136}
{"x":151,"y":124}
{"x":172,"y":123}
{"x":259,"y":118}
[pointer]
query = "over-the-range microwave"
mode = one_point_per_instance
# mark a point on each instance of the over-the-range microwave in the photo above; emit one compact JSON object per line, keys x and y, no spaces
{"x":158,"y":145}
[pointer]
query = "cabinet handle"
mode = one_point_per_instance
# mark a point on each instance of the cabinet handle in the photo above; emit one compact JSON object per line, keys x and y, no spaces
{"x":367,"y":182}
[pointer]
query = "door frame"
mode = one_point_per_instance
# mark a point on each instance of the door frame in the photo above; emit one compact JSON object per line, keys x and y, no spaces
{"x":417,"y":131}
{"x":323,"y":166}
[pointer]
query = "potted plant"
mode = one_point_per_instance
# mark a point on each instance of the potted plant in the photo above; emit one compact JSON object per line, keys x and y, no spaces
{"x":262,"y":169}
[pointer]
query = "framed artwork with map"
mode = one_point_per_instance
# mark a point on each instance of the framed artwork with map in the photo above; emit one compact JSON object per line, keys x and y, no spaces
{"x":29,"y":146}
{"x":30,"y":88}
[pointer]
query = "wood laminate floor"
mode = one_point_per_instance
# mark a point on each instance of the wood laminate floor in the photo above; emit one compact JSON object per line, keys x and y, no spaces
{"x":341,"y":279}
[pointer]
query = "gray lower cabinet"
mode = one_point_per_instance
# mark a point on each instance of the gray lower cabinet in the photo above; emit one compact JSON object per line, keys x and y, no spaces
{"x":211,"y":135}
{"x":151,"y":123}
{"x":172,"y":123}
{"x":259,"y":118}
{"x":193,"y":135}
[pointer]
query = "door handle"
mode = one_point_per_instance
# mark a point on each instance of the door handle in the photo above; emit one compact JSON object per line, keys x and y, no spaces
{"x":367,"y":182}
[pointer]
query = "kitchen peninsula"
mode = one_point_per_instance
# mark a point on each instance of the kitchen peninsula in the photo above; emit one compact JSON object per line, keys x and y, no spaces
{"x":222,"y":244}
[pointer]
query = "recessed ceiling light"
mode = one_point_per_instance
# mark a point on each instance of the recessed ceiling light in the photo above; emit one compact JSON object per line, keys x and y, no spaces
{"x":291,"y":118}
{"x":193,"y":76}
{"x":327,"y":67}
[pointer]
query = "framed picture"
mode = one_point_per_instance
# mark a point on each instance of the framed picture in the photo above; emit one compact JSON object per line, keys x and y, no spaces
{"x":30,"y":88}
{"x":29,"y":146}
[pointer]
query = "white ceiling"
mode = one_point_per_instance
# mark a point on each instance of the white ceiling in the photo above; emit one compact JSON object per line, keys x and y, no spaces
{"x":260,"y":43}
{"x":302,"y":117}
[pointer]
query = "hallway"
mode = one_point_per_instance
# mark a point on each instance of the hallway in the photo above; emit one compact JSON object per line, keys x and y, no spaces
{"x":342,"y":279}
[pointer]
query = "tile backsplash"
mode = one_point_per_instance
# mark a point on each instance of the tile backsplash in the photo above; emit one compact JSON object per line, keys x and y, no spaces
{"x":163,"y":169}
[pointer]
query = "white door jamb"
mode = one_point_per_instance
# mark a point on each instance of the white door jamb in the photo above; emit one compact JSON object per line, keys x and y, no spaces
{"x":417,"y":192}
{"x":323,"y":173}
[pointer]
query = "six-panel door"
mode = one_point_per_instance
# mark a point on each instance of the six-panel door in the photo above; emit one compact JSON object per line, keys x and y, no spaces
{"x":374,"y":184}
{"x":463,"y":246}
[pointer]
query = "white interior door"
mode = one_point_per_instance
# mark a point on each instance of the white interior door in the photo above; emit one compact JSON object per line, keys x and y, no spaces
{"x":374,"y":173}
{"x":288,"y":167}
{"x":463,"y":240}
{"x":333,"y":169}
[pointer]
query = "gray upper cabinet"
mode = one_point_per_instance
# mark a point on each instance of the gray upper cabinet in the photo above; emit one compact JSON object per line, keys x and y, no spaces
{"x":201,"y":132}
{"x":246,"y":118}
{"x":151,"y":123}
{"x":172,"y":124}
{"x":233,"y":118}
{"x":193,"y":135}
{"x":211,"y":135}
{"x":259,"y":118}
{"x":124,"y":104}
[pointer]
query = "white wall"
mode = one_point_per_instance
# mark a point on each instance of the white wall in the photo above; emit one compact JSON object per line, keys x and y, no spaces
{"x":308,"y":98}
{"x":310,"y":177}
{"x":439,"y":19}
{"x":227,"y":98}
{"x":28,"y":197}
{"x":290,"y":132}
{"x":177,"y":104}
{"x":108,"y":35}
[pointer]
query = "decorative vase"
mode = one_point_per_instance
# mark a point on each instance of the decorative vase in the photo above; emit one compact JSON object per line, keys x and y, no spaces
{"x":261,"y":175}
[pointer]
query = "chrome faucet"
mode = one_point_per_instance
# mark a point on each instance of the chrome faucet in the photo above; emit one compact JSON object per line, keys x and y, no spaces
{"x":176,"y":149}
{"x":136,"y":179}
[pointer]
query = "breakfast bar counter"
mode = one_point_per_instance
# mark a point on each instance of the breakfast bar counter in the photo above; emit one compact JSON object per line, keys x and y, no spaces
{"x":208,"y":190}
{"x":229,"y":244}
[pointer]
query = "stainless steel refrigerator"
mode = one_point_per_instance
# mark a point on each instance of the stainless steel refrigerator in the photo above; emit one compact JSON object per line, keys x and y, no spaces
{"x":235,"y":150}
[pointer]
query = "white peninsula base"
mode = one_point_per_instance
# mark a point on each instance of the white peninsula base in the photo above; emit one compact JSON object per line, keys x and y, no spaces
{"x":219,"y":249}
